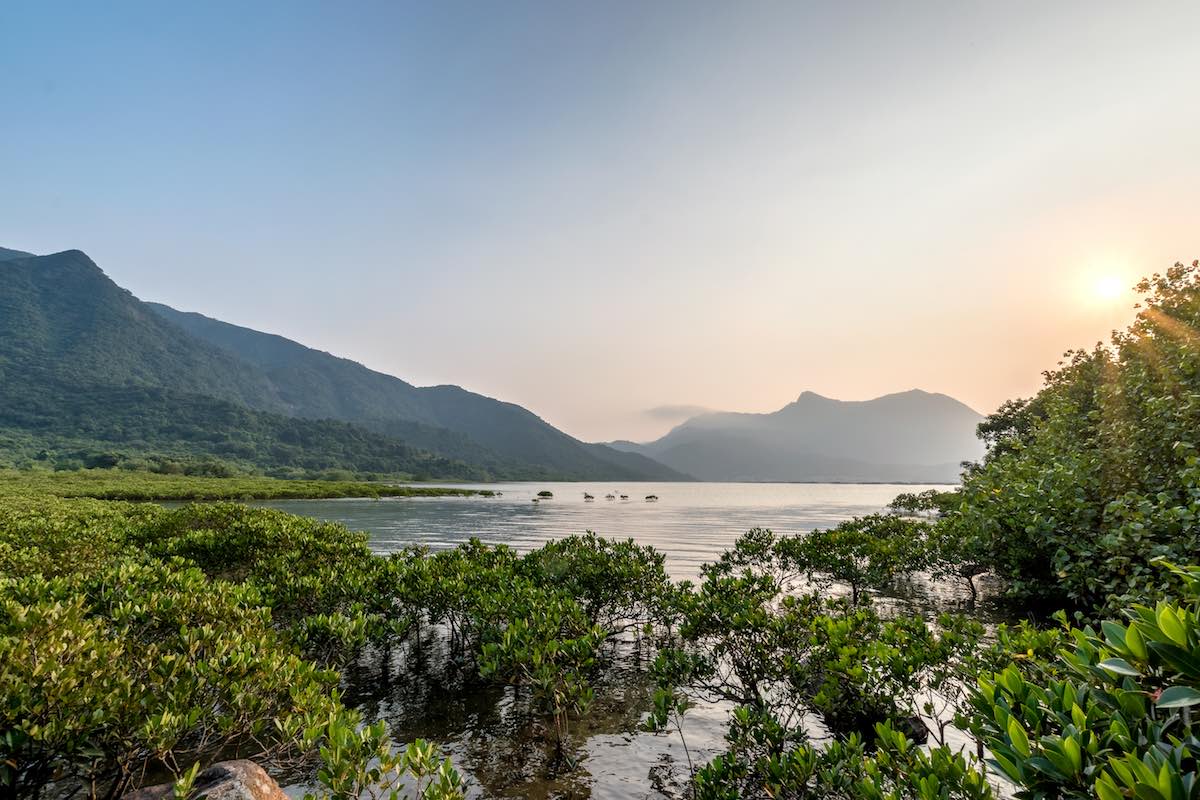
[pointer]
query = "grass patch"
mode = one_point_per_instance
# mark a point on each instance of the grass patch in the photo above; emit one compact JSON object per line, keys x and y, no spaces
{"x":108,"y":484}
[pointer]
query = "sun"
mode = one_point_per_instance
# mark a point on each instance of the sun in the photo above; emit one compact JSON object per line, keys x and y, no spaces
{"x":1108,"y":287}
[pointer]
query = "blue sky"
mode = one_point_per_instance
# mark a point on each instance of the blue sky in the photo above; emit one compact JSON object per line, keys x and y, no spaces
{"x":599,"y":209}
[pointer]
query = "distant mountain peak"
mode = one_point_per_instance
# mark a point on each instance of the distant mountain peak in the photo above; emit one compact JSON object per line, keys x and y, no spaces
{"x":907,"y":436}
{"x":907,"y":395}
{"x":808,"y":394}
{"x":83,"y":357}
{"x":915,"y":393}
{"x":75,"y":262}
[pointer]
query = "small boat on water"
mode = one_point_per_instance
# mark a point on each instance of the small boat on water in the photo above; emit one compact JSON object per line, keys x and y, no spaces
{"x":651,"y":498}
{"x":610,"y":497}
{"x":624,"y":497}
{"x":587,"y":497}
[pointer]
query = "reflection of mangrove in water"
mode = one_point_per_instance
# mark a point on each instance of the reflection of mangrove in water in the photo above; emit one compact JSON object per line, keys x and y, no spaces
{"x":505,"y":747}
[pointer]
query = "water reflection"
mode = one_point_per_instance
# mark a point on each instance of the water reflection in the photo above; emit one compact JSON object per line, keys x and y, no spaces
{"x":690,"y":522}
{"x":501,"y":748}
{"x":506,"y":751}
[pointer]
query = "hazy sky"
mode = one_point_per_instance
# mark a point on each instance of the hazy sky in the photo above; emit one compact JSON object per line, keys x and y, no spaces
{"x":616,"y":211}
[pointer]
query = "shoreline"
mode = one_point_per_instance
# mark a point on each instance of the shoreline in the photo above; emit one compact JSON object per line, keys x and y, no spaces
{"x":150,"y":487}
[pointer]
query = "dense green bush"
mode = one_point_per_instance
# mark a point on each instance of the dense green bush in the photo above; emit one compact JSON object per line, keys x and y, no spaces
{"x":865,"y":552}
{"x":1114,"y":716}
{"x":223,"y":613}
{"x":785,"y":659}
{"x":1089,"y":482}
{"x":762,"y":763}
{"x":137,"y":640}
{"x":143,"y":665}
{"x":620,"y":584}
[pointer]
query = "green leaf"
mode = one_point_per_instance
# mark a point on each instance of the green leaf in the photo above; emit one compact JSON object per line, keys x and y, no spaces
{"x":1178,"y":697}
{"x":1144,"y":791}
{"x":1020,"y":740}
{"x":1115,"y":634}
{"x":1172,"y":626}
{"x":1008,"y":767}
{"x":1134,"y":643}
{"x":1119,"y":666}
{"x":1106,"y":790}
{"x":1074,"y":752}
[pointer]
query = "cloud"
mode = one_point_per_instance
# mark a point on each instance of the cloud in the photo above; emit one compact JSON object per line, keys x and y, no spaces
{"x":676,"y":413}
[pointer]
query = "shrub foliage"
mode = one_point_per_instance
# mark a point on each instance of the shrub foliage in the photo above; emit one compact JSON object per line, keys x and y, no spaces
{"x":140,"y":642}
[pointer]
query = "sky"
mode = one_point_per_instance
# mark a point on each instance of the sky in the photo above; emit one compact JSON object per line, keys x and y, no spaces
{"x":617,"y":213}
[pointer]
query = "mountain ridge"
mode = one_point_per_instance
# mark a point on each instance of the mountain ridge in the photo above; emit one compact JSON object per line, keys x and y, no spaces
{"x":60,"y":315}
{"x":65,"y":323}
{"x":306,"y":378}
{"x":914,"y":436}
{"x":7,"y":254}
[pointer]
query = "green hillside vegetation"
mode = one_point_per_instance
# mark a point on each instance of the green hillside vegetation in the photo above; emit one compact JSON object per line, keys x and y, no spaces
{"x":64,"y":426}
{"x":90,"y":371}
{"x":311,"y":383}
{"x":62,"y":319}
{"x":460,"y":447}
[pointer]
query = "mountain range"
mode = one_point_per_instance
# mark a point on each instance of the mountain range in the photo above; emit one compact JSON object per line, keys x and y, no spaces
{"x":91,"y":375}
{"x":912,"y":436}
{"x":87,"y":367}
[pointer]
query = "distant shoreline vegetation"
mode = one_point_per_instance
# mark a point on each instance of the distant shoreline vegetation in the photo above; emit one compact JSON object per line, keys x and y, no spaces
{"x":146,"y":486}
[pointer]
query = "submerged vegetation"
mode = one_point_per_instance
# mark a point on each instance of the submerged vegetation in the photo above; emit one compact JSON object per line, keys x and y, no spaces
{"x":138,"y":640}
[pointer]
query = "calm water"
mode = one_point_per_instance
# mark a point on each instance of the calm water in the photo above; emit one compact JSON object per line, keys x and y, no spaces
{"x":483,"y":728}
{"x":690,"y":522}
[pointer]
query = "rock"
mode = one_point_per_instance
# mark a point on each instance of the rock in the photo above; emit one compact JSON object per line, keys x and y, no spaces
{"x":915,"y":729}
{"x":227,"y":780}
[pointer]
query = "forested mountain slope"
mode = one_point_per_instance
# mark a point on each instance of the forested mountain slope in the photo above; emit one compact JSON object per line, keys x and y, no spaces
{"x":312,"y":383}
{"x":89,"y":367}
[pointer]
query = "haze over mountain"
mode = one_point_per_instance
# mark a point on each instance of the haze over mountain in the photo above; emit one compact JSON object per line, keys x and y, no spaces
{"x":85,"y":364}
{"x":312,"y":383}
{"x":912,"y":436}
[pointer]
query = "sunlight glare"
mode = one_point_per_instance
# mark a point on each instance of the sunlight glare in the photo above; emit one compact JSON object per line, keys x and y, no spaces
{"x":1109,"y":287}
